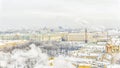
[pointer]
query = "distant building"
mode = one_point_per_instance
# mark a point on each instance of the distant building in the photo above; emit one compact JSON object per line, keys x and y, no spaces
{"x":57,"y":36}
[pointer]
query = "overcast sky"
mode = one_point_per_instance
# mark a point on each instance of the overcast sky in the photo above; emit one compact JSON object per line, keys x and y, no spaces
{"x":53,"y":13}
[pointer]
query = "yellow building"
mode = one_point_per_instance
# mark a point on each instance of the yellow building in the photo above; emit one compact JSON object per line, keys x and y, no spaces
{"x":58,"y":36}
{"x":84,"y":66}
{"x":112,"y":49}
{"x":81,"y":37}
{"x":75,"y":37}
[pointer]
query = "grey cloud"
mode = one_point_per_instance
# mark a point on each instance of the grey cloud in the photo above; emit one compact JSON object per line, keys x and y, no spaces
{"x":59,"y":12}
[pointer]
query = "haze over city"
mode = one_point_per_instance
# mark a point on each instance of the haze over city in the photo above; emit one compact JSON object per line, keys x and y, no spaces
{"x":54,"y":13}
{"x":59,"y":33}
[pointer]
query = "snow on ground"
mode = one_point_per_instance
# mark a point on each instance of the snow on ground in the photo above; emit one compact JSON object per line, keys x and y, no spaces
{"x":113,"y":66}
{"x":60,"y":62}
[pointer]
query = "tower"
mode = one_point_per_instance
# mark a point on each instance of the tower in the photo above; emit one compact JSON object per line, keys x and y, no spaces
{"x":86,"y":36}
